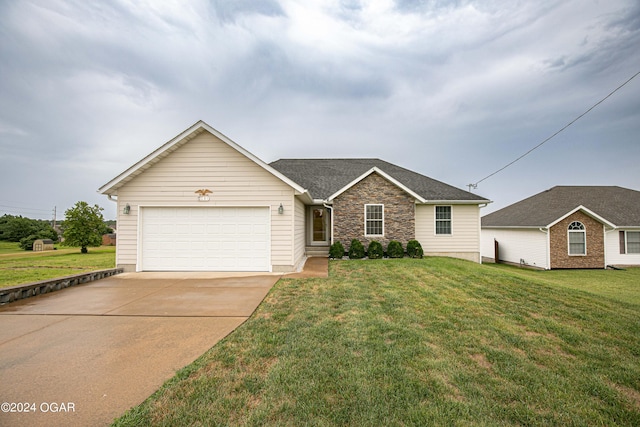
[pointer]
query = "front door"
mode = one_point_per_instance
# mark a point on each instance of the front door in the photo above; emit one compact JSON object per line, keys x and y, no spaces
{"x":319,"y":225}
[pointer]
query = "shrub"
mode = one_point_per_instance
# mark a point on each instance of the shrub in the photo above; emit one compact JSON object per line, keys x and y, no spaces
{"x":375,"y":250}
{"x":356,"y":250}
{"x":336,"y":250}
{"x":414,"y":249}
{"x":395,"y":250}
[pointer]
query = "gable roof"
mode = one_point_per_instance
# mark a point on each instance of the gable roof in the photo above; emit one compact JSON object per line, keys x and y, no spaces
{"x":616,"y":205}
{"x":111,"y":188}
{"x":327,"y":178}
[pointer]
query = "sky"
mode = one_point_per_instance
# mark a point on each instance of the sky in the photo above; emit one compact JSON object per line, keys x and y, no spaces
{"x":454,"y":90}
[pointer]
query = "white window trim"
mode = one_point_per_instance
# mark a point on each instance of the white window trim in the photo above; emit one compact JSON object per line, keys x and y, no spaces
{"x":626,"y":246}
{"x":583,"y":231}
{"x":365,"y":220}
{"x":435,"y":221}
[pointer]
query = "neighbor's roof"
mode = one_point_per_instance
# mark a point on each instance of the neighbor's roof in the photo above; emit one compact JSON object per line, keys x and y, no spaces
{"x":619,"y":206}
{"x":324,"y":178}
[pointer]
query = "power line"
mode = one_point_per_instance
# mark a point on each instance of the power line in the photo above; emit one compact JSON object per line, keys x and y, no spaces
{"x":19,"y":208}
{"x":552,"y":136}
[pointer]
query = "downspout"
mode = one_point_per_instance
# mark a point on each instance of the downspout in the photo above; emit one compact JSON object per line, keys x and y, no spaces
{"x":330,"y":208}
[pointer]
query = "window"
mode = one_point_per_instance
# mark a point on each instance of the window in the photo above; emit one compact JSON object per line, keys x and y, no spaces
{"x":633,"y":242}
{"x":443,"y":219}
{"x":577,"y":239}
{"x":374,"y":220}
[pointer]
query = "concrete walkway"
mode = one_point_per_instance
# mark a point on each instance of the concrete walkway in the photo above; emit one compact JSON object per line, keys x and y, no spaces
{"x":84,"y":355}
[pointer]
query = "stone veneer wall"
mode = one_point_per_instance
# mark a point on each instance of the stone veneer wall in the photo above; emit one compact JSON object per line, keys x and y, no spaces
{"x":559,"y":245}
{"x":399,"y":212}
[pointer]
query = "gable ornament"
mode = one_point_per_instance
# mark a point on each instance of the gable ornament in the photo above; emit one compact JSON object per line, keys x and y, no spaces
{"x":203,"y":194}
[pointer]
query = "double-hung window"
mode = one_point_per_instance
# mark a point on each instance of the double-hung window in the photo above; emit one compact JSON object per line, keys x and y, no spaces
{"x":374,"y":220}
{"x":443,"y":220}
{"x":632,"y":242}
{"x":577,"y":239}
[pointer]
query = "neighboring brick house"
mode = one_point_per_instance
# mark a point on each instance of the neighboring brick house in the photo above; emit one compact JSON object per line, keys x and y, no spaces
{"x":567,"y":227}
{"x":200,"y":202}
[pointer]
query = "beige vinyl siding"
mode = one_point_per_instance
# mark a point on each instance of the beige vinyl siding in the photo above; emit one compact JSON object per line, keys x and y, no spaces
{"x":464,"y":240}
{"x":299,"y":235}
{"x":206,"y":162}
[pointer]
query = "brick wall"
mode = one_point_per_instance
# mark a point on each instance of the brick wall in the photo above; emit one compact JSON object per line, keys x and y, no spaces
{"x":399,"y":212}
{"x":558,"y":240}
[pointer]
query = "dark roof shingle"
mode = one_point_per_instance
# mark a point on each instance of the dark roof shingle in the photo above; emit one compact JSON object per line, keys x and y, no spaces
{"x":324,"y":177}
{"x":620,"y":206}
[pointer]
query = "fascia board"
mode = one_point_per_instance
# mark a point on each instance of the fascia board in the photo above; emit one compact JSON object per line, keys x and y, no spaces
{"x":514,"y":227}
{"x":455,"y":202}
{"x":586,"y":211}
{"x":183,"y":137}
{"x":140,"y":165}
{"x":385,"y":176}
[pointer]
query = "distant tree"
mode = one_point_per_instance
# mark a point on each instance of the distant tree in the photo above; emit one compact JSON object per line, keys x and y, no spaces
{"x":16,"y":228}
{"x":83,"y":226}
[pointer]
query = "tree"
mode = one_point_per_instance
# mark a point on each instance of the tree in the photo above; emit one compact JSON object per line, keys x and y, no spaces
{"x":16,"y":228}
{"x":84,"y":226}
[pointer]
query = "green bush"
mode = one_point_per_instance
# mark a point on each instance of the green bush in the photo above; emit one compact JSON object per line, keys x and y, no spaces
{"x":375,"y":250}
{"x":395,"y":250}
{"x":356,"y":250}
{"x":336,"y":250}
{"x":414,"y":249}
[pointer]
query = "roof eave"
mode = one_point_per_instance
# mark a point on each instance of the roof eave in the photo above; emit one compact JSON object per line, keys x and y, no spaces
{"x":112,"y":186}
{"x":457,"y":202}
{"x":588,"y":212}
{"x":386,"y":176}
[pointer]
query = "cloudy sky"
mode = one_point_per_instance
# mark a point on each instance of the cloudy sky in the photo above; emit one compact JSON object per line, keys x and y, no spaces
{"x":451,"y":89}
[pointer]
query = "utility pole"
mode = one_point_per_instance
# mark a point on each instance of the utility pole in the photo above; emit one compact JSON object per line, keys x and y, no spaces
{"x":54,"y":217}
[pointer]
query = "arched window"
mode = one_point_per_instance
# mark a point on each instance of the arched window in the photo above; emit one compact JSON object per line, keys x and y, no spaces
{"x":577,"y":239}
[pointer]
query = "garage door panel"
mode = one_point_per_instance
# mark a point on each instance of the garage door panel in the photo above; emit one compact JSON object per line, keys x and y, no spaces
{"x":205,"y":239}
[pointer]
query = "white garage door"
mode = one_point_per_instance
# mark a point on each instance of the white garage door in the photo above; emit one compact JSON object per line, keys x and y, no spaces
{"x":205,"y":239}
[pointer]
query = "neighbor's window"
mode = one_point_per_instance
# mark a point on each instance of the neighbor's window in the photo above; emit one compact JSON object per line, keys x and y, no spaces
{"x":633,"y":242}
{"x":374,"y":220}
{"x":577,"y":239}
{"x":443,"y":219}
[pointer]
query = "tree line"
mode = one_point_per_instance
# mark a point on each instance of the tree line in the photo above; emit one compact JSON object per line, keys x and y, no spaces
{"x":83,"y":226}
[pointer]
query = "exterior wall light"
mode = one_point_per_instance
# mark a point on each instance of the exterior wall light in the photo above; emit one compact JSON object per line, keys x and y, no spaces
{"x":280,"y":209}
{"x":127,"y":209}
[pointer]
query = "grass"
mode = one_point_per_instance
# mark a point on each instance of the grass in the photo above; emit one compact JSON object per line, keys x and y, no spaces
{"x":18,"y":267}
{"x":623,"y":285}
{"x":415,"y":342}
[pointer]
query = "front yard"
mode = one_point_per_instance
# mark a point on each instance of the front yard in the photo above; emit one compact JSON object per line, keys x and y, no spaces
{"x":18,"y":267}
{"x":419,"y":342}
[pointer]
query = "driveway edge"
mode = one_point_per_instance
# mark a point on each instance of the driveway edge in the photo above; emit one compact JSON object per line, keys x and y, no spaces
{"x":18,"y":292}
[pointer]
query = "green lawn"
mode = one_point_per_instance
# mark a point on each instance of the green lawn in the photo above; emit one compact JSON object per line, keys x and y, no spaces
{"x":18,"y":267}
{"x":416,"y":342}
{"x":622,"y":285}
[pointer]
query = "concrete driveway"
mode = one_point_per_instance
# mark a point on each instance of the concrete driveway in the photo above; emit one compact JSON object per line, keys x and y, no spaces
{"x":85,"y":355}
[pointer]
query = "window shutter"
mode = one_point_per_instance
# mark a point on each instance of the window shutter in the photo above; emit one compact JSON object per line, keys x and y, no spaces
{"x":622,"y":242}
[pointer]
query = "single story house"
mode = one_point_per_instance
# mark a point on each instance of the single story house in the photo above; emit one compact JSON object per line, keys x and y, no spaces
{"x":200,"y":202}
{"x":567,"y":227}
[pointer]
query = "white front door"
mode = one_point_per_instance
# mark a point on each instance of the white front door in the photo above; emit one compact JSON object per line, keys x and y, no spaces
{"x":320,"y":225}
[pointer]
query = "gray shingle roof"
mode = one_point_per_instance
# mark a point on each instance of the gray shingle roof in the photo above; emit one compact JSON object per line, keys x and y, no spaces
{"x":620,"y":206}
{"x":325,"y":177}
